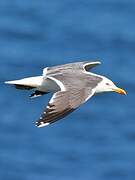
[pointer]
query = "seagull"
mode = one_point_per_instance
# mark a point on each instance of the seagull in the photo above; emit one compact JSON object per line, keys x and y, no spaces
{"x":72,"y":85}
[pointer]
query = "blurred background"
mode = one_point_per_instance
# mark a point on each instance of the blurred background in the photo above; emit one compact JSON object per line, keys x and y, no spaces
{"x":98,"y":140}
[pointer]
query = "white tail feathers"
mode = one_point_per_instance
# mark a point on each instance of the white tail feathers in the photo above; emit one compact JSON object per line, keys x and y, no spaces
{"x":31,"y":81}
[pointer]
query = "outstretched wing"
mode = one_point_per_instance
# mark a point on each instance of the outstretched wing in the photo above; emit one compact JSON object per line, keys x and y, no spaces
{"x":76,"y":86}
{"x":61,"y":104}
{"x":81,"y":66}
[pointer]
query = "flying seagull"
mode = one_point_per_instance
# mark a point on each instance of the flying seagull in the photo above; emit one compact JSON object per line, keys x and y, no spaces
{"x":72,"y":85}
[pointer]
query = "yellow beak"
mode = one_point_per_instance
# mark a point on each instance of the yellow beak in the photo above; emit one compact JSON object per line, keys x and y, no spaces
{"x":120,"y":91}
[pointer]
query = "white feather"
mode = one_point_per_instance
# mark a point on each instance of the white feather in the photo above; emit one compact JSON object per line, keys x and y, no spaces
{"x":31,"y":81}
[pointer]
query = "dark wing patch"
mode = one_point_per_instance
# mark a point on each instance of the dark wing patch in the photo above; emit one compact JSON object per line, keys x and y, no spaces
{"x":61,"y":104}
{"x":57,"y":108}
{"x":23,"y":87}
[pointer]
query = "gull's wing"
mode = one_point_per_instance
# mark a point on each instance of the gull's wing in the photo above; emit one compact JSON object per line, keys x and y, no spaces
{"x":81,"y":66}
{"x":61,"y":104}
{"x":76,"y":87}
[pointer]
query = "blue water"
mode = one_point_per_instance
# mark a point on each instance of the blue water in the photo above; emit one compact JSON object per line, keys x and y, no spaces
{"x":96,"y":142}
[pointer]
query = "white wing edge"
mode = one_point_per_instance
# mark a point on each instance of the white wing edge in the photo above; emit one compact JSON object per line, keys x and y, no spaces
{"x":95,"y":63}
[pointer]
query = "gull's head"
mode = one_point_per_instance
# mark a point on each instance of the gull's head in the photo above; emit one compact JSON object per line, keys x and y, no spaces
{"x":106,"y":85}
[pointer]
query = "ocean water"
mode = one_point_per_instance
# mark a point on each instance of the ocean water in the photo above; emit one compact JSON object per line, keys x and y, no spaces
{"x":97,"y":141}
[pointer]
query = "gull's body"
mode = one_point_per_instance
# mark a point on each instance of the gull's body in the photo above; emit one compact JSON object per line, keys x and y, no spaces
{"x":72,"y":86}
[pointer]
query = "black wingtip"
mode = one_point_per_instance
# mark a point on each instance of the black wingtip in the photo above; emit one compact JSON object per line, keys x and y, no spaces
{"x":41,"y":124}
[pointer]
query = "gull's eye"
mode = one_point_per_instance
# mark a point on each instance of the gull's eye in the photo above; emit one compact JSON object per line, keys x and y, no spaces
{"x":107,"y":84}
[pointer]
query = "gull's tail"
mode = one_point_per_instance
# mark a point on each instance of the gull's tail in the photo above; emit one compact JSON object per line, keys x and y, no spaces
{"x":27,"y":83}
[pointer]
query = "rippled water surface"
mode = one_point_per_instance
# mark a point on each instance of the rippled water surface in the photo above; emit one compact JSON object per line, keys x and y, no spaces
{"x":96,"y":142}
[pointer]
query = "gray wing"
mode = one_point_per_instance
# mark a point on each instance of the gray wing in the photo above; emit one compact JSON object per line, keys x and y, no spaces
{"x":61,"y":104}
{"x":76,"y":88}
{"x":71,"y":67}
